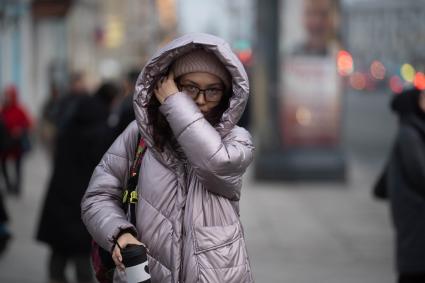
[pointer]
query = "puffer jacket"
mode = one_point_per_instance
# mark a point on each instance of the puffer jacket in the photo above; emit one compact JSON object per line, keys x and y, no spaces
{"x":188,"y":210}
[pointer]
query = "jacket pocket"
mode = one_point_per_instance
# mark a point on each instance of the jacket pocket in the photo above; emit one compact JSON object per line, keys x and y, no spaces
{"x":159,"y":273}
{"x":219,"y":247}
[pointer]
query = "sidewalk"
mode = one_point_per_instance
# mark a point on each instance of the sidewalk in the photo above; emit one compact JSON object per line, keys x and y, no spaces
{"x":318,"y":233}
{"x":25,"y":259}
{"x":296,"y":233}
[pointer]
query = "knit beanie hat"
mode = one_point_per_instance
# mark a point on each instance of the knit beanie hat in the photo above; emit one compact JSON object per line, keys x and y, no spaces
{"x":201,"y":61}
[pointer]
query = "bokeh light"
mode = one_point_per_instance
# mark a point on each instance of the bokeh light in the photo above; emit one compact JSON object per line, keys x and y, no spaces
{"x":396,"y":84}
{"x":245,"y":56}
{"x":358,"y":81}
{"x":345,"y":63}
{"x":407,"y":72}
{"x":243,"y":51}
{"x":419,"y":81}
{"x":303,"y":116}
{"x":377,"y":70}
{"x":114,"y":36}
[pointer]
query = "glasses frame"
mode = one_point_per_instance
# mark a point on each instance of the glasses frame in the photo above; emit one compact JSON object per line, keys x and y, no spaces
{"x":200,"y":90}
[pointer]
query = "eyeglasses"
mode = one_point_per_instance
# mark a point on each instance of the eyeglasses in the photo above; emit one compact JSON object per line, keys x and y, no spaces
{"x":211,"y":94}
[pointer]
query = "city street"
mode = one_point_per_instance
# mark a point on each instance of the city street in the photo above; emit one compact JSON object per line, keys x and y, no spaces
{"x":296,"y":232}
{"x":321,"y":78}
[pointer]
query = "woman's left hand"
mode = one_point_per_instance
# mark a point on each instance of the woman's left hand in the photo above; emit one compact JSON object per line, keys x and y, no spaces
{"x":165,"y":87}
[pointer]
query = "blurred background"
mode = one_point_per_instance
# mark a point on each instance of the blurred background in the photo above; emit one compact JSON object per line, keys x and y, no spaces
{"x":322,"y":74}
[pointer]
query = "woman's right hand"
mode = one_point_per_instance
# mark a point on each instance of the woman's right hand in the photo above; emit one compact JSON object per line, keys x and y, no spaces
{"x":123,"y":241}
{"x":165,"y":87}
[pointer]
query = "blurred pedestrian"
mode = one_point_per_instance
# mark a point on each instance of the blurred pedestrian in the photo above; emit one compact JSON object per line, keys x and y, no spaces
{"x":187,"y":102}
{"x":18,"y":124}
{"x":125,"y":108}
{"x":79,"y":148}
{"x":66,"y":107}
{"x":47,"y":122}
{"x":405,"y":186}
{"x":5,"y":234}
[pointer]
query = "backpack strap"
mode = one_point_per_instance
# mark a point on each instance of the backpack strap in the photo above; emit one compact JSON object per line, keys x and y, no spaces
{"x":102,"y":261}
{"x":130,"y":194}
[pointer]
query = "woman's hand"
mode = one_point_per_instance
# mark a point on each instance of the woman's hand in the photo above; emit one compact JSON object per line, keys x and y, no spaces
{"x":122,"y":242}
{"x":165,"y":87}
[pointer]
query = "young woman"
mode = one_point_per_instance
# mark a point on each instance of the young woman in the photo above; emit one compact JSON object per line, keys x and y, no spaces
{"x":188,"y":99}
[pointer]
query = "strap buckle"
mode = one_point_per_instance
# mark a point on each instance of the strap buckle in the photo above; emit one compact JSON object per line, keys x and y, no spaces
{"x":133,"y":197}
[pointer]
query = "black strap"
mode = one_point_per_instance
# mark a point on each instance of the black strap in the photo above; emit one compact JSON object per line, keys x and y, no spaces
{"x":130,"y":193}
{"x":128,"y":206}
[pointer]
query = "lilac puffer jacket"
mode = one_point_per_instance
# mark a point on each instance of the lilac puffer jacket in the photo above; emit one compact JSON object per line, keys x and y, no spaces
{"x":188,"y":210}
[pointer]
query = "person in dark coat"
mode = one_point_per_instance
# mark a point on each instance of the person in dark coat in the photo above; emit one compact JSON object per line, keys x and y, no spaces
{"x":47,"y":123}
{"x":405,"y":185}
{"x":65,"y":107}
{"x":80,"y":145}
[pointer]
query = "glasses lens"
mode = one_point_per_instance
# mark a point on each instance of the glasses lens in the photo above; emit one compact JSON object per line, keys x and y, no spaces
{"x":190,"y":90}
{"x":213,"y":94}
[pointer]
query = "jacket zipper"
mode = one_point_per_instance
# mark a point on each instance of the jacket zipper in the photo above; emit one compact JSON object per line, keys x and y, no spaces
{"x":183,"y":230}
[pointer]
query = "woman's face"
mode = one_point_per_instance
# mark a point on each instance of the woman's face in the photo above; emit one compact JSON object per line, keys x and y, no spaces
{"x":206,"y":89}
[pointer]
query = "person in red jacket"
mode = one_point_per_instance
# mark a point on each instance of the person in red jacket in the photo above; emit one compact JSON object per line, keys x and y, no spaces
{"x":18,"y":124}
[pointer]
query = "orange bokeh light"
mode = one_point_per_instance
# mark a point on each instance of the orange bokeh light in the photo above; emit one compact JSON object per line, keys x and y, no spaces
{"x":345,"y":63}
{"x":419,"y":81}
{"x":245,"y":56}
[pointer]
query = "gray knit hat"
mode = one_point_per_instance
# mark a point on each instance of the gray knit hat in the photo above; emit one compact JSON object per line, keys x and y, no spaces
{"x":201,"y":61}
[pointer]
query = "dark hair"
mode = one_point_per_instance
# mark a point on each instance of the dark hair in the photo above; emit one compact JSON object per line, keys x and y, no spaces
{"x":161,"y":130}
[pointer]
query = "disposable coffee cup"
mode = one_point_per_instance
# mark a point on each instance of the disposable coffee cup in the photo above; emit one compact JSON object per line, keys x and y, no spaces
{"x":135,"y":261}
